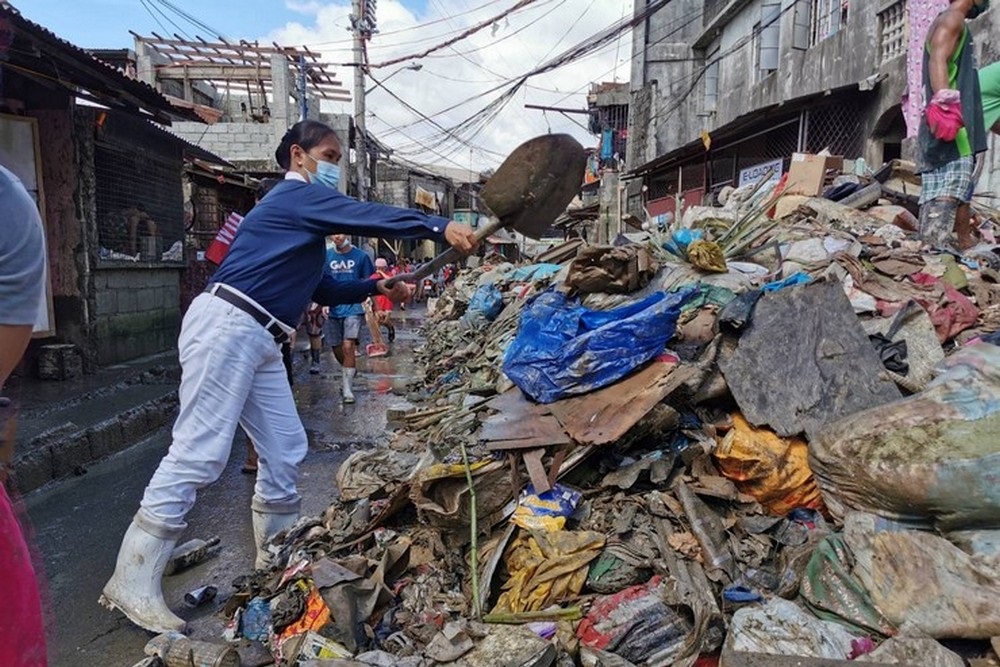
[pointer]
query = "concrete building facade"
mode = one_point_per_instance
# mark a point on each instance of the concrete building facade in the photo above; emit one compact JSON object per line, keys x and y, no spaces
{"x":720,"y":86}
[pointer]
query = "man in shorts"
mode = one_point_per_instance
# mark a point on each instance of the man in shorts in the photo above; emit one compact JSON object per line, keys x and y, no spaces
{"x":343,"y":329}
{"x":952,"y":131}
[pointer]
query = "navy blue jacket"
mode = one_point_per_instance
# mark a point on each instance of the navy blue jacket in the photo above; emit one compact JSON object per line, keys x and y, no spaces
{"x":279,"y":254}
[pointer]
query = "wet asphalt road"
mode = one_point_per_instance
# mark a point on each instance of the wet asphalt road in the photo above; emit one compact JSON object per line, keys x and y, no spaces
{"x":78,"y":524}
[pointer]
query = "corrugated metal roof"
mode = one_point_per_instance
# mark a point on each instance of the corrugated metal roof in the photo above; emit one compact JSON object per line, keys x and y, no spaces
{"x":57,"y":60}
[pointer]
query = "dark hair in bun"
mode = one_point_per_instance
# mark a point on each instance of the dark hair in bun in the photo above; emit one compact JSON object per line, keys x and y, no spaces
{"x":305,"y":133}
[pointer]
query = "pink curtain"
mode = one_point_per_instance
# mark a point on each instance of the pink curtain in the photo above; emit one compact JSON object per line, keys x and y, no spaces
{"x":920,"y":14}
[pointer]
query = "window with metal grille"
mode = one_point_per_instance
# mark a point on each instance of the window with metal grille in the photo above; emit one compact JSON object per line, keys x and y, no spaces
{"x":837,"y":127}
{"x":828,"y":17}
{"x":140,"y":203}
{"x":893,"y":30}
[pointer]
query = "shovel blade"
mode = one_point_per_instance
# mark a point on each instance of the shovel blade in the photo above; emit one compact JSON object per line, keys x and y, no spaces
{"x":536,"y":183}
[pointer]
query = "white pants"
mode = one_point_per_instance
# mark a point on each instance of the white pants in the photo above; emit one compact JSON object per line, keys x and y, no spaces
{"x":231,"y":372}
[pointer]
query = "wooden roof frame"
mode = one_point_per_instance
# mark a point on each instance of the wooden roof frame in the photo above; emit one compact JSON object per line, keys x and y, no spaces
{"x":228,"y":62}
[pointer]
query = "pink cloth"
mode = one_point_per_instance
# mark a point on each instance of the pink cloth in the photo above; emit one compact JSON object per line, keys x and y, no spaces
{"x":953,"y":313}
{"x":22,"y":636}
{"x":944,"y":115}
{"x":920,"y":15}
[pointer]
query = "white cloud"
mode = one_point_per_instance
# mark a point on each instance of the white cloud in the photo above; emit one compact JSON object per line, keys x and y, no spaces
{"x":304,"y":6}
{"x":473,"y":66}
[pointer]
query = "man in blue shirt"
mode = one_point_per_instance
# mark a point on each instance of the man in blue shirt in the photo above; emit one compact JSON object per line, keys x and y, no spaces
{"x":346,"y":263}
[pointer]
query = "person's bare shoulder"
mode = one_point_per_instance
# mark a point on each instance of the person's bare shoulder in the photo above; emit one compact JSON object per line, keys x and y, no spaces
{"x":948,"y":23}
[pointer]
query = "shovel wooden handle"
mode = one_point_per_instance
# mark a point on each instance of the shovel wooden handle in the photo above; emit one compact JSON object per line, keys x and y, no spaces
{"x":445,"y":258}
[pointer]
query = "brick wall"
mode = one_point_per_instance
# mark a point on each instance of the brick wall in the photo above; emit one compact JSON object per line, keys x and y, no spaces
{"x":137,"y":312}
{"x":236,"y":142}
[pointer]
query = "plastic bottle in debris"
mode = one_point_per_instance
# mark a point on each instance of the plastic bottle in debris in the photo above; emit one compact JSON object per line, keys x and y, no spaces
{"x":190,"y":553}
{"x":176,"y":650}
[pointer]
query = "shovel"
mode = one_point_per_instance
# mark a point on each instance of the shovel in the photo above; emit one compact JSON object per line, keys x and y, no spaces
{"x":528,"y":191}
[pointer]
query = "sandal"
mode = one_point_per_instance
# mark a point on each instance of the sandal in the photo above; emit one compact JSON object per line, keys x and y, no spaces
{"x":248,"y":469}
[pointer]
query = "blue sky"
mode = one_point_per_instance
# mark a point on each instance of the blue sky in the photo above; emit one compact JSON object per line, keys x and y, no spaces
{"x":105,"y":23}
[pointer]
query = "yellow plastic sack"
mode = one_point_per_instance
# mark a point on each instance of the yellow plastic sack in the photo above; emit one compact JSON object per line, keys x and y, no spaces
{"x":547,"y":567}
{"x":772,"y":469}
{"x":707,"y":255}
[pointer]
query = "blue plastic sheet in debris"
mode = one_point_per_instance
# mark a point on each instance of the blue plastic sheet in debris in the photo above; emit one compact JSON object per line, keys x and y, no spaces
{"x":563,"y":349}
{"x":681,"y":239}
{"x":525,"y":274}
{"x":798,"y":278}
{"x":485,"y":304}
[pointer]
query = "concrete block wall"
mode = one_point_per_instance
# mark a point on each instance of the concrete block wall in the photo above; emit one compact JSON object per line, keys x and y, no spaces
{"x":137,"y":312}
{"x":236,"y":142}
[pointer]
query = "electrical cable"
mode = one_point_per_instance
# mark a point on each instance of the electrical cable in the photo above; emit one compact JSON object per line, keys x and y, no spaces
{"x":467,"y":33}
{"x":411,"y":108}
{"x":155,"y":17}
{"x":193,"y":20}
{"x":475,"y":123}
{"x":419,"y":26}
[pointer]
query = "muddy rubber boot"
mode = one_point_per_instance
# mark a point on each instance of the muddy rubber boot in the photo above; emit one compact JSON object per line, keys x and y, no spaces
{"x":349,"y":374}
{"x":269,"y":519}
{"x":135,"y":588}
{"x":314,"y":366}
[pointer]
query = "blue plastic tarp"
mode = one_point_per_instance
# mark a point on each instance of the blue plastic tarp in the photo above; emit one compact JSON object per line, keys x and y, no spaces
{"x":563,"y":349}
{"x":485,"y":305}
{"x":533,"y":272}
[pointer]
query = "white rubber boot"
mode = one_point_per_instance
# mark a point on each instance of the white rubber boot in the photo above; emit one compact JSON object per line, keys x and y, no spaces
{"x":269,"y":519}
{"x":135,"y":587}
{"x":349,"y":374}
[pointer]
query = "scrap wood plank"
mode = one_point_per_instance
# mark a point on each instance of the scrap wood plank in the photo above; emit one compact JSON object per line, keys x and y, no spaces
{"x":605,"y":415}
{"x":520,"y":424}
{"x":536,"y":470}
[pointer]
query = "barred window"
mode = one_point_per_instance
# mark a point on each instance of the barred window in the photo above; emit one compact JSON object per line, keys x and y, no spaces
{"x":140,"y":200}
{"x":893,"y":30}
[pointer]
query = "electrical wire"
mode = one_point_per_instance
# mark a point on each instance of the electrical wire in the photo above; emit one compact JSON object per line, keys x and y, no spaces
{"x":467,"y":33}
{"x":416,"y":111}
{"x":420,"y":26}
{"x":193,"y":20}
{"x":695,"y":77}
{"x":473,"y":125}
{"x":155,"y":17}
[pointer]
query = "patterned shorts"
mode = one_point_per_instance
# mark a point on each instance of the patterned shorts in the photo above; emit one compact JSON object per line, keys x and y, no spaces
{"x":953,"y":180}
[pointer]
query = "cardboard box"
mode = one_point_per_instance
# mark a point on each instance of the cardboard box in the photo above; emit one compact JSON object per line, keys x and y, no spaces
{"x":807,"y":175}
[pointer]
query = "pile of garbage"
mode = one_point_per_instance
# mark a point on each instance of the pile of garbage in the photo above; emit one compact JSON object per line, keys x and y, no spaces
{"x":769,"y":430}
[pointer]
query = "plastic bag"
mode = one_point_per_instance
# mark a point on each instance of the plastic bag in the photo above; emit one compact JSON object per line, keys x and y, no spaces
{"x":832,"y":592}
{"x":546,"y":568}
{"x":782,"y":628}
{"x":772,"y":469}
{"x":636,"y":624}
{"x":923,"y":583}
{"x":563,"y":349}
{"x":485,"y":305}
{"x":929,"y":460}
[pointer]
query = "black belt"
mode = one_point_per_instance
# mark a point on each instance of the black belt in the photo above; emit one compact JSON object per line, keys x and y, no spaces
{"x":264,"y":319}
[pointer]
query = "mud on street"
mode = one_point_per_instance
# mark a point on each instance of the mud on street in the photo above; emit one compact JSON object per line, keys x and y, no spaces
{"x":78,"y":523}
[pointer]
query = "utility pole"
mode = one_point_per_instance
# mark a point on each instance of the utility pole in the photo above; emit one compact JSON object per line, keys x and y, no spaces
{"x":360,"y":148}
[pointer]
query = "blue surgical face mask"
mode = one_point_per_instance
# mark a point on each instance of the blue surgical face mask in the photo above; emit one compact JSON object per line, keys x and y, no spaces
{"x":327,"y":173}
